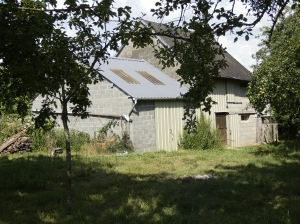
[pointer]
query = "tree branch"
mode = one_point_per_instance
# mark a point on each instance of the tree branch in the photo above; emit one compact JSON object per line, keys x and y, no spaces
{"x":259,"y":17}
{"x":276,"y":20}
{"x":81,"y":7}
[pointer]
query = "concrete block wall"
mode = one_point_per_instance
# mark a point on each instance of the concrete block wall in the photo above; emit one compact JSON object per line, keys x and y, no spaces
{"x":113,"y":101}
{"x":247,"y":130}
{"x":142,"y":128}
{"x":105,"y":101}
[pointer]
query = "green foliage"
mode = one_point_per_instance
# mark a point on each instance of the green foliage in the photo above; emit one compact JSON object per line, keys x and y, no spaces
{"x":47,"y":140}
{"x":203,"y":137}
{"x":276,"y":76}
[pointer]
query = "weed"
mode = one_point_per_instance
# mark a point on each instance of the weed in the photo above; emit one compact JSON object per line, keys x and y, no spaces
{"x":203,"y":137}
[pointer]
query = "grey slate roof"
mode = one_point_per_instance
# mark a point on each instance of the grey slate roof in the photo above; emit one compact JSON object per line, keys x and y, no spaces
{"x":235,"y":70}
{"x":145,"y":89}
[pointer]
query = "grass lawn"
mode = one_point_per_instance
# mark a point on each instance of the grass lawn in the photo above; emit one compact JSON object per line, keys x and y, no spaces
{"x":259,"y":184}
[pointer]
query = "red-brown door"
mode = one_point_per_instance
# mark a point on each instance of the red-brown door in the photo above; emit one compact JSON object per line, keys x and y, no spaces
{"x":221,"y":125}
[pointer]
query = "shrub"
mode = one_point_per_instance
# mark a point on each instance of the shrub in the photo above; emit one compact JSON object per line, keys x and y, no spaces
{"x":114,"y":142}
{"x":203,"y":137}
{"x":119,"y":144}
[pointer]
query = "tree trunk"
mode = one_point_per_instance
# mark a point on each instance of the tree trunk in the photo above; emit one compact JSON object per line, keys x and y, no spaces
{"x":64,"y":118}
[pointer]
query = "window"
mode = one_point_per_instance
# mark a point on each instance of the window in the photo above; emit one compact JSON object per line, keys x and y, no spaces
{"x":125,"y":76}
{"x":244,"y":84}
{"x":245,"y":117}
{"x":150,"y":78}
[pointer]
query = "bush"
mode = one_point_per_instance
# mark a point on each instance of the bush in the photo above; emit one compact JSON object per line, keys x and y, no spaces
{"x":120,"y":144}
{"x":112,"y":141}
{"x":203,"y":137}
{"x":47,"y":140}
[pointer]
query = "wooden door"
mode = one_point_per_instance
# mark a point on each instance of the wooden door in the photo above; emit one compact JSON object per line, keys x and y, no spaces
{"x":221,"y":125}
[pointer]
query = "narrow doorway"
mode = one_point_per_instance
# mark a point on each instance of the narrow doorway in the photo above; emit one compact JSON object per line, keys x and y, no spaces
{"x":221,"y":125}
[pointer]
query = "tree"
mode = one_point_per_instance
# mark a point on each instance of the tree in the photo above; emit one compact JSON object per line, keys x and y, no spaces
{"x":38,"y":56}
{"x":276,"y":77}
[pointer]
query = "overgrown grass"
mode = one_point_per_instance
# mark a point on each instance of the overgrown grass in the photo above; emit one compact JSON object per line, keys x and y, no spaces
{"x":252,"y":185}
{"x":47,"y":140}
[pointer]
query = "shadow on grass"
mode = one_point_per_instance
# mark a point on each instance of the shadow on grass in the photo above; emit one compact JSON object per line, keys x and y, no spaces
{"x":32,"y":190}
{"x":285,"y":149}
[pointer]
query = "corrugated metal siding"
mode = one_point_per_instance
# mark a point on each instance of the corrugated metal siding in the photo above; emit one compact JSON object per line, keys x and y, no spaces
{"x":219,"y":95}
{"x":230,"y":86}
{"x":233,"y":130}
{"x":169,"y":124}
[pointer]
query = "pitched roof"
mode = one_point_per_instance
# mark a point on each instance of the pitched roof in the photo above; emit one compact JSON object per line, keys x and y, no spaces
{"x":141,"y":80}
{"x":234,"y":70}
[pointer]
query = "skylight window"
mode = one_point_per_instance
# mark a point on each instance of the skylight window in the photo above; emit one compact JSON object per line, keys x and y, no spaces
{"x":150,"y":78}
{"x":125,"y":76}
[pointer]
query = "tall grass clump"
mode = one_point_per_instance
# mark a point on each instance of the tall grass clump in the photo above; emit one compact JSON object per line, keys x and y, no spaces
{"x":46,"y":140}
{"x":203,"y":137}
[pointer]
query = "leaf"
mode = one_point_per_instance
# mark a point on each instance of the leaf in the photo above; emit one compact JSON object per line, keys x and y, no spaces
{"x":247,"y":37}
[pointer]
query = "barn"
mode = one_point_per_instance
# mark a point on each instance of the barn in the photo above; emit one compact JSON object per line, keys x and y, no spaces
{"x":146,"y":100}
{"x":146,"y":103}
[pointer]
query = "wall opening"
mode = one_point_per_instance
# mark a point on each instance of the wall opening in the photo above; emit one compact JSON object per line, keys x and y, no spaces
{"x":245,"y":117}
{"x":221,"y":125}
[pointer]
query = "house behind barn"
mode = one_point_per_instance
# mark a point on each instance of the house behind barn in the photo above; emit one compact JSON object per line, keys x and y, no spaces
{"x":232,"y":115}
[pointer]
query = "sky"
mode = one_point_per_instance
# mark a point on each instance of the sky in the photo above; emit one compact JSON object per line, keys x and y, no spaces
{"x":241,"y":50}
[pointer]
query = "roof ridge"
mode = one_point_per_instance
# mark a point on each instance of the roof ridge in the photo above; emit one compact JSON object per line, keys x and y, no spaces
{"x":127,"y":59}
